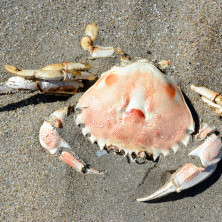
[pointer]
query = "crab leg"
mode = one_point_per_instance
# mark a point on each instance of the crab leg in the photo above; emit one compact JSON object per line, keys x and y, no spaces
{"x":213,"y":99}
{"x":69,"y":66}
{"x":210,"y":153}
{"x":91,"y":33}
{"x":51,"y":72}
{"x":55,"y":78}
{"x":66,"y":87}
{"x":101,"y":52}
{"x":51,"y":140}
{"x":37,"y":74}
{"x":204,"y":130}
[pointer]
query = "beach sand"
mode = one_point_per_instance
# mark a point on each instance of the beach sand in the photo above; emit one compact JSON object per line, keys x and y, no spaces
{"x":37,"y":187}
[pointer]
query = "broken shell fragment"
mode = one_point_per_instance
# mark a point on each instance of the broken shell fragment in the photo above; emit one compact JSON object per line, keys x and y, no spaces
{"x":99,"y":51}
{"x":212,"y":98}
{"x":217,"y":108}
{"x":86,"y":43}
{"x":163,"y":64}
{"x":125,"y":58}
{"x":204,"y":91}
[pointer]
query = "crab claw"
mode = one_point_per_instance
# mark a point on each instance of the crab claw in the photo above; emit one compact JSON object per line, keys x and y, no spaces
{"x":186,"y":177}
{"x":210,"y":153}
{"x":163,"y":191}
{"x":51,"y":140}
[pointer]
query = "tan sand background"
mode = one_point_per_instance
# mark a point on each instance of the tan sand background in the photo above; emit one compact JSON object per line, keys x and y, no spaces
{"x":37,"y":187}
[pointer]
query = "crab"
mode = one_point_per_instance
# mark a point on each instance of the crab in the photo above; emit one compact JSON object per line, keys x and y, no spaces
{"x":133,"y":109}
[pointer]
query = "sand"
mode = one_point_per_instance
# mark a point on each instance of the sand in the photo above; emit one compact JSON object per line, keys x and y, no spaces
{"x":37,"y":187}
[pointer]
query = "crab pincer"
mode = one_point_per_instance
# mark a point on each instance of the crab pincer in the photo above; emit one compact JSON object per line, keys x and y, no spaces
{"x":51,"y":140}
{"x":210,"y":153}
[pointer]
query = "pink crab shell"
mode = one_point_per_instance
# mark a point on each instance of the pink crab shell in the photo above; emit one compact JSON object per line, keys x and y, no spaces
{"x":135,"y":108}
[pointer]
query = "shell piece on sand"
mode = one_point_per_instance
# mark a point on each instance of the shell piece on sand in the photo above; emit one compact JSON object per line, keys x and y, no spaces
{"x":137,"y":108}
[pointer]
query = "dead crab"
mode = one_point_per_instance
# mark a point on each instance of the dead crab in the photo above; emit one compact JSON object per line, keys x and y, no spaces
{"x":143,"y":113}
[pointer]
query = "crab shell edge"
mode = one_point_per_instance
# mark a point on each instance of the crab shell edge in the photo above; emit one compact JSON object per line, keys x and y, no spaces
{"x":137,"y":109}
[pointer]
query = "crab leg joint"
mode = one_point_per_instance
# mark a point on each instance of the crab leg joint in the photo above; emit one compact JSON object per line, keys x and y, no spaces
{"x":56,"y":145}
